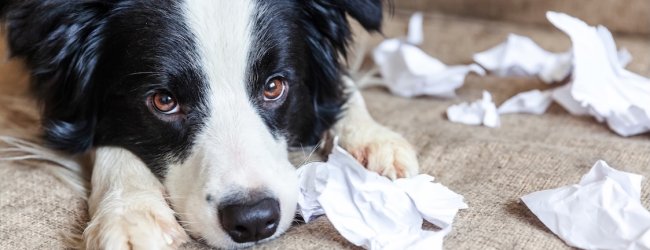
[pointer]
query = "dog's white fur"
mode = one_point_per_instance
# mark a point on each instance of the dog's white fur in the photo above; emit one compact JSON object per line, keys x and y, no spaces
{"x":378,"y":148}
{"x":235,"y":152}
{"x":224,"y":161}
{"x":128,"y":208}
{"x":128,"y":205}
{"x":133,"y":211}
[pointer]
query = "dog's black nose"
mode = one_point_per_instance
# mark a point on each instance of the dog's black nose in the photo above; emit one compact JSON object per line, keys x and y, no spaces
{"x":251,"y":222}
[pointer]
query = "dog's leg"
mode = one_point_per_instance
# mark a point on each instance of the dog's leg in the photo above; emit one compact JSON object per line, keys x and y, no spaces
{"x":127,"y":206}
{"x":378,"y":148}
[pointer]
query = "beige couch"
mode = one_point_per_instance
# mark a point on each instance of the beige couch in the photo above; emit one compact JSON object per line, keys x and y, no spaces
{"x":492,"y":168}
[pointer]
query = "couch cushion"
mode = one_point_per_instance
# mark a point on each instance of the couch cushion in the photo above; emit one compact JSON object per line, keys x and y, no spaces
{"x":492,"y":168}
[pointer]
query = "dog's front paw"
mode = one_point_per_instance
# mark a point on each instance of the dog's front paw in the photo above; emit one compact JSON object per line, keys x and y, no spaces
{"x":140,"y":225}
{"x":380,"y":149}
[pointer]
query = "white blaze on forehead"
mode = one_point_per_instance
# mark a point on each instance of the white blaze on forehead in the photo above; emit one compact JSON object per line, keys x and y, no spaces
{"x":222,"y":29}
{"x":234,"y":136}
{"x":234,"y":152}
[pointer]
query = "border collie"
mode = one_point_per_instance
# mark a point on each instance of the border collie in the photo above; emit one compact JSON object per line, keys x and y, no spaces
{"x":189,"y":108}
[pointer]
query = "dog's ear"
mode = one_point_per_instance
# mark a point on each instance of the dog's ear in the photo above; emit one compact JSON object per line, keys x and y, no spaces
{"x":367,"y":12}
{"x":327,"y":35}
{"x":60,"y":41}
{"x":329,"y":18}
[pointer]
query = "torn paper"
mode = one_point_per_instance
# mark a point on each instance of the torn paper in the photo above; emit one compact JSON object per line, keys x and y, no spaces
{"x":600,"y":84}
{"x":415,"y":33}
{"x":520,"y":56}
{"x":372,"y":211}
{"x":602,"y":211}
{"x":531,"y":102}
{"x":476,"y":113}
{"x":408,"y":71}
{"x":624,"y":57}
{"x":562,"y":95}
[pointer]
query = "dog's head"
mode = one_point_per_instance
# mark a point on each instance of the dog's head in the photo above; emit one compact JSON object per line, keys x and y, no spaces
{"x":207,"y":93}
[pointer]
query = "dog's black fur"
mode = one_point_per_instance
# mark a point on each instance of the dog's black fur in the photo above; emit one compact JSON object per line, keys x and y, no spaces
{"x":93,"y":66}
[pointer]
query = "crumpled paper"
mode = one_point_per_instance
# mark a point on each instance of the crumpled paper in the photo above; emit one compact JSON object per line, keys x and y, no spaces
{"x":603,"y":211}
{"x":531,"y":102}
{"x":408,"y":71}
{"x":520,"y":56}
{"x":562,"y":95}
{"x":601,"y":86}
{"x":372,"y":211}
{"x":480,"y":112}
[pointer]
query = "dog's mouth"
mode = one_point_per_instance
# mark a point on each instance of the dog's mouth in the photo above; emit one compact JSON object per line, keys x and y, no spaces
{"x":244,"y":226}
{"x":239,"y":217}
{"x":229,"y":201}
{"x":238,"y":245}
{"x":231,"y":235}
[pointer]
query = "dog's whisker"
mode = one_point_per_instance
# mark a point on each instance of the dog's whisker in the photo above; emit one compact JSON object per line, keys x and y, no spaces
{"x":145,"y":73}
{"x":188,"y":223}
{"x":20,"y":158}
{"x":10,"y":150}
{"x":302,"y":149}
{"x":188,"y":107}
{"x":176,"y":197}
{"x":316,"y":148}
{"x":179,"y":213}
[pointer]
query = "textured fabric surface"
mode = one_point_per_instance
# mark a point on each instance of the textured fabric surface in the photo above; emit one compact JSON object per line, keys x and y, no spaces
{"x":492,"y":168}
{"x":628,"y":16}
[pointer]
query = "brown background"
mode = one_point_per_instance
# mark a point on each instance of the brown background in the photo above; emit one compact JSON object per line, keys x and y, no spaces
{"x":625,"y":16}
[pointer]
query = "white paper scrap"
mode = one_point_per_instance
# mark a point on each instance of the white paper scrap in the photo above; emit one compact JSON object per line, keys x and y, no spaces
{"x":372,"y":211}
{"x":520,"y":56}
{"x":624,"y":57}
{"x":415,"y":34}
{"x":476,"y":113}
{"x":603,"y":211}
{"x":532,"y":102}
{"x":408,"y":71}
{"x":562,"y":95}
{"x":601,"y":84}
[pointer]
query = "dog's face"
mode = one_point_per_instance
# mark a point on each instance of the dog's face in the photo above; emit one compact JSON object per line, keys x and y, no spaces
{"x":207,"y":93}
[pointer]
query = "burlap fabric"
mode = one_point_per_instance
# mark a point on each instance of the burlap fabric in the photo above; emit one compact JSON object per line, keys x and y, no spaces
{"x":628,"y":16}
{"x":492,"y":168}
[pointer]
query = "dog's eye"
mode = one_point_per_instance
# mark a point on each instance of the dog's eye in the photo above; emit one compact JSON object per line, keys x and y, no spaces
{"x":274,"y":89}
{"x":164,"y":102}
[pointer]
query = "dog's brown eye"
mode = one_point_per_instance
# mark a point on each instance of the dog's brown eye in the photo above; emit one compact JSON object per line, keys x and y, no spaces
{"x":164,"y":102}
{"x":274,"y":89}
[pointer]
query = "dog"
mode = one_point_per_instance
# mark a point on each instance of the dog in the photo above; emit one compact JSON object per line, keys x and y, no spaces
{"x":189,"y":108}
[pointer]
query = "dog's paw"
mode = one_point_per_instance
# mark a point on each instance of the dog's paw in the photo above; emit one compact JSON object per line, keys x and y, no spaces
{"x":134,"y":226}
{"x":381,"y":150}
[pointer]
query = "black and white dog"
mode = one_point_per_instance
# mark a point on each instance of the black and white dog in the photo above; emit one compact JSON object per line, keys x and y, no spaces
{"x":189,"y":107}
